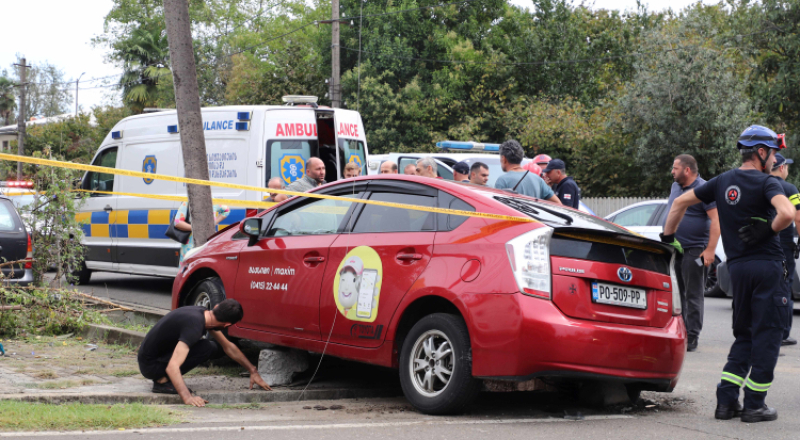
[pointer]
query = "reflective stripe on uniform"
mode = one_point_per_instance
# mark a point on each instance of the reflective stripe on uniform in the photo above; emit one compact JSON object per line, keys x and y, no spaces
{"x":732,"y":378}
{"x":760,"y":387}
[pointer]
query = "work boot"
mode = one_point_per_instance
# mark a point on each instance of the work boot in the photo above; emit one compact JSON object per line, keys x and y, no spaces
{"x":692,"y":345}
{"x":763,"y":414}
{"x":727,"y":412}
{"x":789,"y":341}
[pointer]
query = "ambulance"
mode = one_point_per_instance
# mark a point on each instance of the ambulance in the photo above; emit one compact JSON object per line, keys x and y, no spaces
{"x":245,"y":145}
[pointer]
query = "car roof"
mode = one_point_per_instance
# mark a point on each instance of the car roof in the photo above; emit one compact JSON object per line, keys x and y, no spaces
{"x":634,"y":205}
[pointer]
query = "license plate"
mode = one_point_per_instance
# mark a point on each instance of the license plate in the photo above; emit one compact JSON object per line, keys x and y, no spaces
{"x":615,"y":295}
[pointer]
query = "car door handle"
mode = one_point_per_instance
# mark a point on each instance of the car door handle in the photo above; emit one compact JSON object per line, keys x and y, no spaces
{"x":108,"y":208}
{"x":409,"y":257}
{"x":314,"y":259}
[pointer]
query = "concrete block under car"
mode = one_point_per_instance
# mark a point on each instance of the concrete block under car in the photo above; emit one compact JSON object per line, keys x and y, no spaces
{"x":278,"y":366}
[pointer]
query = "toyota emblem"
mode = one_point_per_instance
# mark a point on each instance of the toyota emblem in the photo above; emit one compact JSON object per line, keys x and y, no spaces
{"x":624,"y":274}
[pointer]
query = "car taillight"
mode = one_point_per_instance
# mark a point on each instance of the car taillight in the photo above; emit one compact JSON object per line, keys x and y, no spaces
{"x":29,"y":256}
{"x":529,"y":255}
{"x":676,"y":293}
{"x":250,"y":212}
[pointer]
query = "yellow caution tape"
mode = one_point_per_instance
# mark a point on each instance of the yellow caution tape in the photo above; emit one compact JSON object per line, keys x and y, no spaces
{"x":131,"y":173}
{"x":230,"y":202}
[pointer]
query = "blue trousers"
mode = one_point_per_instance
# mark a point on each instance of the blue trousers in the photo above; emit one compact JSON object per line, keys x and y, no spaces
{"x":760,"y":316}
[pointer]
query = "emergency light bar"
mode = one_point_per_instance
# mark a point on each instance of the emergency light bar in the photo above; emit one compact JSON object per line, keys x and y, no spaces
{"x":300,"y":99}
{"x":458,"y":145}
{"x":17,"y":184}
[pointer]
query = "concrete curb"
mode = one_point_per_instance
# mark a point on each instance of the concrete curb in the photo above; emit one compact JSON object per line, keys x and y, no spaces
{"x":112,"y":335}
{"x":213,"y":397}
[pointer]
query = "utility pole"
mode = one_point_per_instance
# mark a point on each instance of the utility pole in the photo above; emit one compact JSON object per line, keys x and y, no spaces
{"x":336,"y":89}
{"x":76,"y":93}
{"x":190,"y":118}
{"x":23,"y":90}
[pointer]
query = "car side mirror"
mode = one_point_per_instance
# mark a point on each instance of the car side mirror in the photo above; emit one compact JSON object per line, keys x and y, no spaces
{"x":251,"y":227}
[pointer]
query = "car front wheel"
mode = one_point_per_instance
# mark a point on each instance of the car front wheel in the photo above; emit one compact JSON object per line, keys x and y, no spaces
{"x":207,"y":294}
{"x":436,"y":365}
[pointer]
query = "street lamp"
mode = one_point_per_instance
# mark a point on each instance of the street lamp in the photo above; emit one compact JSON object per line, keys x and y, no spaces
{"x":76,"y":93}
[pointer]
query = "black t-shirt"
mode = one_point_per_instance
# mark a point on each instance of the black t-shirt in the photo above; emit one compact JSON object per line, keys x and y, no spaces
{"x":568,"y":192}
{"x":788,"y":235}
{"x":187,"y":324}
{"x":740,"y":195}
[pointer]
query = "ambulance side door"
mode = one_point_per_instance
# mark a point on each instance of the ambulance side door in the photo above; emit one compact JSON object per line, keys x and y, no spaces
{"x":97,"y":211}
{"x":291,"y":142}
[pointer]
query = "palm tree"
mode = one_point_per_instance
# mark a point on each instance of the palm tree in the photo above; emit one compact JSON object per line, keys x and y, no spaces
{"x":7,"y":102}
{"x":144,"y":56}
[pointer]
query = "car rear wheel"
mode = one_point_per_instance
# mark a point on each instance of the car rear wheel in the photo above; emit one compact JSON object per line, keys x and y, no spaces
{"x":713,"y":289}
{"x":436,"y":365}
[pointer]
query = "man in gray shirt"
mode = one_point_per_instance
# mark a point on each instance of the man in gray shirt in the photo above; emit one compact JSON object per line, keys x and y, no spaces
{"x":698,"y":234}
{"x":515,"y":177}
{"x":314,"y":177}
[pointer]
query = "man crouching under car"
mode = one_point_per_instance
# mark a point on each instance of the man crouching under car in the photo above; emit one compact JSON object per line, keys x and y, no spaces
{"x":175,"y":345}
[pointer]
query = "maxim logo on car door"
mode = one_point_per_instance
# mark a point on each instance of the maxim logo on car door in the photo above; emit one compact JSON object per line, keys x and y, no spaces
{"x":357,"y":287}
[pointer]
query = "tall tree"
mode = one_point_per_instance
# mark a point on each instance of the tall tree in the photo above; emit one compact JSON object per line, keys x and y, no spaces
{"x":48,"y":90}
{"x":7,"y":100}
{"x":146,"y":80}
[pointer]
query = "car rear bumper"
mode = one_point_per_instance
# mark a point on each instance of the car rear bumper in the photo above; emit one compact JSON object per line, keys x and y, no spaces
{"x":26,"y":278}
{"x":543,"y":342}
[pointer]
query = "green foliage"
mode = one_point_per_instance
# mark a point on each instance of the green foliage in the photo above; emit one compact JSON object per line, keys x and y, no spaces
{"x":146,"y":80}
{"x":44,"y":311}
{"x":56,"y":233}
{"x":24,"y":416}
{"x":688,"y":100}
{"x":7,"y":103}
{"x":48,"y":92}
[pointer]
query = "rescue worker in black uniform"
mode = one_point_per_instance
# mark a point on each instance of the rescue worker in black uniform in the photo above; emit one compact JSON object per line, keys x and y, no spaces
{"x":752,"y":211}
{"x":788,"y":236}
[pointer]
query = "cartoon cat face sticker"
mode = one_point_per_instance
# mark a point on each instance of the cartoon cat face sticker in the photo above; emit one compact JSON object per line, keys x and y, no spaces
{"x":349,"y":279}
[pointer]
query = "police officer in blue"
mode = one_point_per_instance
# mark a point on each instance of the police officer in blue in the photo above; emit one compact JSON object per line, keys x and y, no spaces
{"x":752,"y":211}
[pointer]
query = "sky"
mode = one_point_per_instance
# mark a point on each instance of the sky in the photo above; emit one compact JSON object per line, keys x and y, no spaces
{"x":60,"y":32}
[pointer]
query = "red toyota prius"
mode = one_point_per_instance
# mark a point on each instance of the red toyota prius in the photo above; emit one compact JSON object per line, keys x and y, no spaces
{"x":448,"y":300}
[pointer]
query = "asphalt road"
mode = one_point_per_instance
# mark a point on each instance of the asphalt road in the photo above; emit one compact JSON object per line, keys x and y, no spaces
{"x":685,"y":413}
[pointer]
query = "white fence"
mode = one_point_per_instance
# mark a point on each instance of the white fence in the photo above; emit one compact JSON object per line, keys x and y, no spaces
{"x":602,"y":206}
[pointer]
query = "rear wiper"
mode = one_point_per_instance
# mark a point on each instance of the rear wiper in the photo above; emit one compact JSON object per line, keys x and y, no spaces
{"x":530,"y":210}
{"x":566,"y":217}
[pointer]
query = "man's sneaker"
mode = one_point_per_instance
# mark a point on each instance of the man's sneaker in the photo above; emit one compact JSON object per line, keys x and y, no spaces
{"x":692,"y":345}
{"x":764,"y":414}
{"x":166,"y":388}
{"x":727,"y":412}
{"x":789,"y":341}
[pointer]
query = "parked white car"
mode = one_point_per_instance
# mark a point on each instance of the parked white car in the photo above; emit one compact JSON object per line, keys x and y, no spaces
{"x":647,"y":218}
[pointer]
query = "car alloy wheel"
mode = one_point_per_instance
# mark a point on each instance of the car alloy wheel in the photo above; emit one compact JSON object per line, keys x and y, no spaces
{"x":432,"y":363}
{"x":436,"y":365}
{"x":203,"y":300}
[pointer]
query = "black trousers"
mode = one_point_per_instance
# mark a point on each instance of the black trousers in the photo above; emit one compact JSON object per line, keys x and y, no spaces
{"x":788,"y":252}
{"x":200,"y":352}
{"x":691,"y":283}
{"x":760,"y":316}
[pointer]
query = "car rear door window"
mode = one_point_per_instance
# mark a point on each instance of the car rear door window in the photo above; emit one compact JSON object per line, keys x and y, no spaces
{"x":375,"y":218}
{"x":8,"y":218}
{"x":637,"y":216}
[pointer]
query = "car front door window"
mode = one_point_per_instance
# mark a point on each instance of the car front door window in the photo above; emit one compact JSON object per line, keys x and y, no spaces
{"x":638,"y":216}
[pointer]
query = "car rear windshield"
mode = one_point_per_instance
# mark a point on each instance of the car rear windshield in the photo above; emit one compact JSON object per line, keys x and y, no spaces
{"x":556,"y":216}
{"x":610,"y":253}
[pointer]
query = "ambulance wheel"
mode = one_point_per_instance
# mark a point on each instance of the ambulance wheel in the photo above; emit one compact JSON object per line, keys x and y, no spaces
{"x":436,"y":365}
{"x":82,"y":274}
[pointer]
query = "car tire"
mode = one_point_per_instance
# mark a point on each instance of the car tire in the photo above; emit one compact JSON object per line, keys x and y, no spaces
{"x":713,"y":289}
{"x":82,"y":274}
{"x":208,"y":294}
{"x":438,"y":393}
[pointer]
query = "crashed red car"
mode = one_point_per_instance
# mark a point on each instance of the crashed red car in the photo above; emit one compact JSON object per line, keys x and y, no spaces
{"x":446,"y":299}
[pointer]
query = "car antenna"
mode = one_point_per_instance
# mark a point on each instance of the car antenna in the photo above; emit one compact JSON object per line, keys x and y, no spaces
{"x":520,"y":180}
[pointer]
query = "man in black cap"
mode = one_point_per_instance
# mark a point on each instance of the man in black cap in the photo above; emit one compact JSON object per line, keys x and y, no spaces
{"x":461,"y":172}
{"x":788,"y":235}
{"x":564,"y":186}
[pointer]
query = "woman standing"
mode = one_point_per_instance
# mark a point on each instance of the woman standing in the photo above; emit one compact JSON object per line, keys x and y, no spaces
{"x":220,"y":212}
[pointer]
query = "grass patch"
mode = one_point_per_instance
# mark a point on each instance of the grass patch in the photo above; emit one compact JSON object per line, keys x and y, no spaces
{"x":235,"y":406}
{"x":125,"y":373}
{"x":23,"y":416}
{"x":59,"y":384}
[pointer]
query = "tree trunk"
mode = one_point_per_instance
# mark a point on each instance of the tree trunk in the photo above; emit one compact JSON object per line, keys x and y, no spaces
{"x":190,"y":120}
